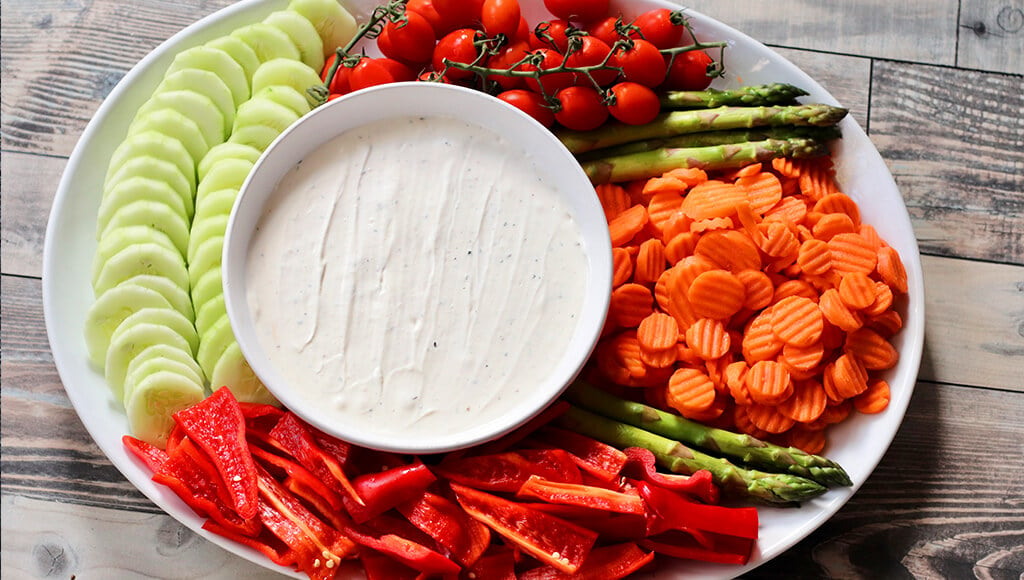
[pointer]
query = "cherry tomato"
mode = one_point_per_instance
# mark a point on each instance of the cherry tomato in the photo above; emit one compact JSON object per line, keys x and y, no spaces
{"x":368,"y":73}
{"x":457,"y":46}
{"x":658,"y":28}
{"x":553,"y":82}
{"x":642,"y":63}
{"x":605,"y":29}
{"x":506,"y":57}
{"x":550,"y":34}
{"x":688,"y":71}
{"x":582,"y":109}
{"x":399,"y":70}
{"x":341,"y":83}
{"x":409,"y":41}
{"x":592,"y":52}
{"x":530,"y":103}
{"x":459,"y":13}
{"x":522,"y":33}
{"x":500,"y":17}
{"x":425,"y":8}
{"x":577,"y":10}
{"x":635,"y":104}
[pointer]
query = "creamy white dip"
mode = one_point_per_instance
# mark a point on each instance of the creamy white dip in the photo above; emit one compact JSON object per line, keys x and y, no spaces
{"x":415,"y":276}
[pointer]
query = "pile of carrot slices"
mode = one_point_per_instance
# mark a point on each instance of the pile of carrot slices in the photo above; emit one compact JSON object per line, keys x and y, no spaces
{"x":754,"y":299}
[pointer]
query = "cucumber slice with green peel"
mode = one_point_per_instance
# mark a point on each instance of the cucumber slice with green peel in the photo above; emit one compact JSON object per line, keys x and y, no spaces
{"x":335,"y":25}
{"x":234,"y":372}
{"x":207,"y":287}
{"x":217,"y":62}
{"x":290,"y":97}
{"x":301,"y":31}
{"x":137,"y":259}
{"x":258,"y":136}
{"x":224,"y":174}
{"x":155,"y":400}
{"x":264,"y":112}
{"x":129,"y":342}
{"x":207,"y":256}
{"x":156,"y":145}
{"x":140,"y":368}
{"x":121,"y":238}
{"x":215,"y":203}
{"x":287,"y":73}
{"x":193,"y":105}
{"x":107,"y":313}
{"x":164,"y":352}
{"x":227,"y":150}
{"x":175,"y":125}
{"x":158,"y":169}
{"x":165,"y":316}
{"x":153,"y":214}
{"x":205,"y":82}
{"x":243,"y":54}
{"x":211,"y":227}
{"x":213,"y":343}
{"x":140,"y":189}
{"x":176,"y":295}
{"x":210,"y":313}
{"x":267,"y":42}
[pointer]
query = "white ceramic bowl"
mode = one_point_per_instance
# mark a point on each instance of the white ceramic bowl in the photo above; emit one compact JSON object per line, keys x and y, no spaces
{"x":551,"y":161}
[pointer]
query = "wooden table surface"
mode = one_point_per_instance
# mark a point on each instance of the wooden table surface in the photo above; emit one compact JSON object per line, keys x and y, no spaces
{"x":937,"y":84}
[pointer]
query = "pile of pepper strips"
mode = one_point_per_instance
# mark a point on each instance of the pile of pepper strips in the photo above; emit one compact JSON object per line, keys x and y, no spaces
{"x":539,"y":503}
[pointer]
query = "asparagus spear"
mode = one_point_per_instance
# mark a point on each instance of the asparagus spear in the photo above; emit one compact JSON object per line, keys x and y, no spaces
{"x":743,"y":448}
{"x":755,"y":95}
{"x":774,"y":488}
{"x":654,"y":163}
{"x":680,"y":122}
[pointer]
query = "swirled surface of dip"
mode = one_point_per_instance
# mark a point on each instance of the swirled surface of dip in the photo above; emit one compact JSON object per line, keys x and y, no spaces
{"x":415,"y":275}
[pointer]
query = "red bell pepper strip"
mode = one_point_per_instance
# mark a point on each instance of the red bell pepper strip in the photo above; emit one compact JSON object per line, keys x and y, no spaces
{"x":174,"y":438}
{"x":642,"y":465}
{"x":150,"y":455}
{"x":297,"y":438}
{"x":594,"y":457}
{"x":506,"y":442}
{"x":264,"y":543}
{"x":386,"y":489}
{"x":299,"y":473}
{"x":217,"y":426}
{"x":378,"y":566}
{"x":605,"y":563}
{"x":723,"y":550}
{"x":581,"y":495}
{"x":554,"y":461}
{"x":498,"y":564}
{"x":552,"y":540}
{"x":408,"y":552}
{"x":508,"y":471}
{"x":464,"y":537}
{"x":259,"y":410}
{"x":673,"y":511}
{"x":336,"y":518}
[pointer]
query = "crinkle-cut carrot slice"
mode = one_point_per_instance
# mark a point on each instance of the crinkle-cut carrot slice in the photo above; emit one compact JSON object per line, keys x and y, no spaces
{"x":654,"y":377}
{"x":883,"y":300}
{"x":759,"y":342}
{"x":687,"y":355}
{"x":712,"y":224}
{"x":715,"y":368}
{"x":731,"y":250}
{"x":689,"y":268}
{"x":675,"y":225}
{"x":661,"y":288}
{"x":627,"y":224}
{"x":807,"y":403}
{"x":790,"y":209}
{"x":716,"y":294}
{"x":741,"y":418}
{"x":662,"y":207}
{"x":803,"y":358}
{"x":659,"y":359}
{"x":891,"y":269}
{"x":797,"y":320}
{"x":784,"y":166}
{"x":680,"y":246}
{"x":745,"y":171}
{"x":614,"y":200}
{"x":852,"y":253}
{"x":831,"y":224}
{"x":839,"y":203}
{"x":886,"y":324}
{"x":758,"y":288}
{"x":709,"y":338}
{"x":807,"y":440}
{"x":691,"y":176}
{"x":768,"y":382}
{"x":875,"y":399}
{"x":763,"y":191}
{"x":837,"y":312}
{"x":817,"y":179}
{"x":814,"y":257}
{"x":857,"y":290}
{"x":870,"y":234}
{"x":849,"y":377}
{"x":650,"y":262}
{"x":823,"y":282}
{"x":735,"y":373}
{"x":796,"y":287}
{"x":713,"y":199}
{"x":768,"y":418}
{"x":622,"y":267}
{"x":712,"y":416}
{"x":664,"y":184}
{"x":777,"y":239}
{"x":635,"y":191}
{"x":872,"y":349}
{"x":657,"y":332}
{"x":627,"y":351}
{"x":837,"y":413}
{"x":679,"y":306}
{"x":608,"y":362}
{"x":690,"y":389}
{"x":630,"y":304}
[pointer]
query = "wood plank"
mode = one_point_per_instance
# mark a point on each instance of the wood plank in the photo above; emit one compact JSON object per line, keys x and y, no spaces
{"x":30,"y":183}
{"x":914,"y":30}
{"x":954,"y":141}
{"x":991,"y":36}
{"x":847,"y":78}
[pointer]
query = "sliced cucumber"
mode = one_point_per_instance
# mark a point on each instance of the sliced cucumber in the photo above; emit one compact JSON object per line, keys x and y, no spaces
{"x":207,"y":256}
{"x":290,"y":97}
{"x":211,"y":227}
{"x":175,"y":125}
{"x":165,"y":316}
{"x":217,"y":62}
{"x":153,"y":214}
{"x":163,"y":352}
{"x":209,"y":286}
{"x":258,"y":136}
{"x":335,"y":25}
{"x":155,"y":400}
{"x":267,"y":42}
{"x":227,"y":150}
{"x":264,"y":112}
{"x":287,"y":73}
{"x":121,"y":238}
{"x":216,"y":203}
{"x":302,"y":33}
{"x":143,"y":366}
{"x":158,"y":169}
{"x":207,"y":83}
{"x":224,"y":174}
{"x":156,"y":145}
{"x":195,"y":106}
{"x":148,"y":258}
{"x":213,"y":343}
{"x":127,"y":342}
{"x":110,"y":310}
{"x":178,"y":297}
{"x":210,"y":313}
{"x":234,"y":372}
{"x":243,"y":54}
{"x":140,"y":189}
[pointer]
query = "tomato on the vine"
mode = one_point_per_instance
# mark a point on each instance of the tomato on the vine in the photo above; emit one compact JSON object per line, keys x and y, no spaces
{"x":369,"y":72}
{"x":642,"y":63}
{"x":688,"y":71}
{"x":506,"y":57}
{"x":577,"y":10}
{"x":553,"y":82}
{"x":411,"y":41}
{"x":582,"y":108}
{"x":605,"y":29}
{"x":456,"y":46}
{"x":459,"y":13}
{"x":550,"y":34}
{"x":400,"y":71}
{"x":592,"y":51}
{"x":500,"y":17}
{"x":425,"y":8}
{"x":339,"y":85}
{"x":530,"y":103}
{"x":635,"y":104}
{"x":658,"y":27}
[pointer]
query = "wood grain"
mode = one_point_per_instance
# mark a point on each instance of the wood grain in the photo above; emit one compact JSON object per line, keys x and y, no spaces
{"x":847,"y":78}
{"x":991,"y":36}
{"x":29,"y":184}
